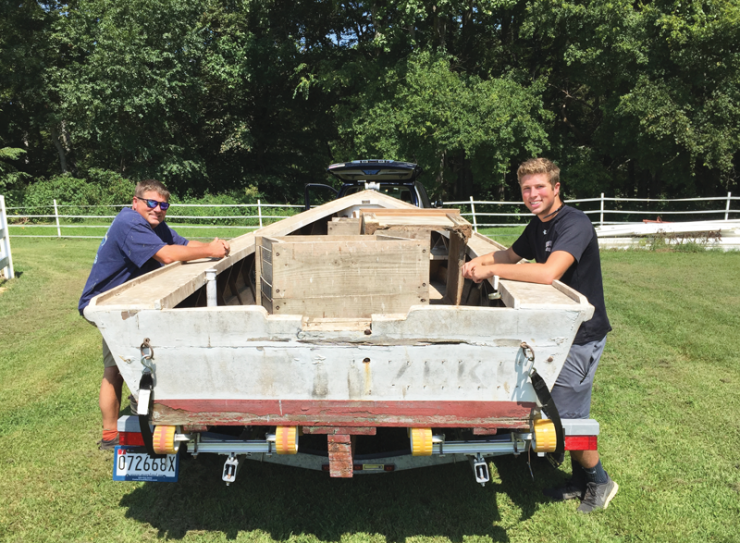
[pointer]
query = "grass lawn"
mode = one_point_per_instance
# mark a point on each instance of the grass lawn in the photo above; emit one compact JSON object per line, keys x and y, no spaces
{"x":666,"y":396}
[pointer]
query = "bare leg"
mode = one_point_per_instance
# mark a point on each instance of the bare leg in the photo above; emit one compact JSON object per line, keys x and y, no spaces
{"x":110,"y":397}
{"x":588,"y":459}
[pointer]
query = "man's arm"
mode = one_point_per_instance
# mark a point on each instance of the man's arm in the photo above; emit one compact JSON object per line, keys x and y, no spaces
{"x":503,"y":264}
{"x":194,"y":250}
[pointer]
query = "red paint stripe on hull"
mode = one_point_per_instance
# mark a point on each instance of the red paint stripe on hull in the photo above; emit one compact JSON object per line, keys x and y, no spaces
{"x":342,"y":413}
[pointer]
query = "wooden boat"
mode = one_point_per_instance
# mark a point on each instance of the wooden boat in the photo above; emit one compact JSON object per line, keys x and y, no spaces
{"x":349,"y":319}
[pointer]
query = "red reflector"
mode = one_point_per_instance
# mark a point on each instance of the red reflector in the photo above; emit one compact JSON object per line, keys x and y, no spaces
{"x":324,"y":467}
{"x":130,"y":438}
{"x":356,"y":467}
{"x":389,"y":467}
{"x":580,"y":443}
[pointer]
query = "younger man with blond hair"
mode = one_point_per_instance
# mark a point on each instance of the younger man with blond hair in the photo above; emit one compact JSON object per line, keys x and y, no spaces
{"x":563,"y":243}
{"x":137,"y":242}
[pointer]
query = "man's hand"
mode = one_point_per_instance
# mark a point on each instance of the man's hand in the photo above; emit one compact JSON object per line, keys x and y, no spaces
{"x":220,"y":248}
{"x":194,"y":250}
{"x":477,"y":270}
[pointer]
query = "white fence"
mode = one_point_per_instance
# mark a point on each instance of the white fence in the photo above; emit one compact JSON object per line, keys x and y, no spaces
{"x":6,"y":259}
{"x":475,"y":210}
{"x":59,"y":220}
{"x":724,"y":210}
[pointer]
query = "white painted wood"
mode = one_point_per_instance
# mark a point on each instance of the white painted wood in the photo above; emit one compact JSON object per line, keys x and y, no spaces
{"x":6,"y":257}
{"x":642,"y":229}
{"x":435,"y":353}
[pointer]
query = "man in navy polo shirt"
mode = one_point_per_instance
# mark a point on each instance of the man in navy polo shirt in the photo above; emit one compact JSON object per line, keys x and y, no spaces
{"x":137,"y":242}
{"x":563,"y":243}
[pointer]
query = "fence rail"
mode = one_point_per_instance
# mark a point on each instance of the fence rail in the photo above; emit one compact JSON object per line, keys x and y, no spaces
{"x":479,"y":210}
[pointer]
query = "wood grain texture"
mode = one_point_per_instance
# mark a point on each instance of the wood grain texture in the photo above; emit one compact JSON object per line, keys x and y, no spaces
{"x":344,"y":276}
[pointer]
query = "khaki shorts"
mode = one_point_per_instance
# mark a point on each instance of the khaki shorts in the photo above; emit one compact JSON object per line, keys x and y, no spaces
{"x":108,"y":360}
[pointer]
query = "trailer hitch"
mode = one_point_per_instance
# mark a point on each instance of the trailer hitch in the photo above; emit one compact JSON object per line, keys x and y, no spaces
{"x":480,"y":469}
{"x":231,"y":467}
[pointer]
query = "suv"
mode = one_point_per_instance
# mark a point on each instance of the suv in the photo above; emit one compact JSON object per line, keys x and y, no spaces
{"x":396,"y":179}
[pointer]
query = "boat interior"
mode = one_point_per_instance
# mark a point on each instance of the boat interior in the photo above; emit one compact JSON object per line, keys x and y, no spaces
{"x":372,"y":260}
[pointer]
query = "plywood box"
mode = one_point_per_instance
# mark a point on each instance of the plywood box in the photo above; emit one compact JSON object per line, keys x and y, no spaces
{"x":341,"y":276}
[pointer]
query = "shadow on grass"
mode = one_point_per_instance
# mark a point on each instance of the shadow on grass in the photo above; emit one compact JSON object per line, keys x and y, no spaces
{"x":281,"y":501}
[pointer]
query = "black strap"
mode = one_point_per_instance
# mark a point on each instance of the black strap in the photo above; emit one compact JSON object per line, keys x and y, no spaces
{"x":147,"y":383}
{"x":548,"y":406}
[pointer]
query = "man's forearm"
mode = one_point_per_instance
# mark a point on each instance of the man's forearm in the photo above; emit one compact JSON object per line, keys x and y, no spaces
{"x":504,"y":265}
{"x":184,"y":253}
{"x":530,"y":273}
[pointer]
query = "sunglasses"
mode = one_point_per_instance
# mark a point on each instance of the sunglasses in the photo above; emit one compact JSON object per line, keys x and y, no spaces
{"x":152,"y":204}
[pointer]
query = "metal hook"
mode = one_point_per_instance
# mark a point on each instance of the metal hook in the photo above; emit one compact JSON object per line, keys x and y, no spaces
{"x":147,"y":353}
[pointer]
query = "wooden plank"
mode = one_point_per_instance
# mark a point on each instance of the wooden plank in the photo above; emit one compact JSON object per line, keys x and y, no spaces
{"x":348,"y":278}
{"x":336,"y":324}
{"x":258,"y":271}
{"x":414,"y":212}
{"x":340,"y":456}
{"x":456,"y":258}
{"x":344,"y":227}
{"x":344,"y":430}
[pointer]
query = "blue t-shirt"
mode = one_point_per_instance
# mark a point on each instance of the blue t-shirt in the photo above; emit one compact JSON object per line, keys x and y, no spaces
{"x":126,"y":253}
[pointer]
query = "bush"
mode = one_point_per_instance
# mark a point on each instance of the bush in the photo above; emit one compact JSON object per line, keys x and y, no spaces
{"x":101,"y":189}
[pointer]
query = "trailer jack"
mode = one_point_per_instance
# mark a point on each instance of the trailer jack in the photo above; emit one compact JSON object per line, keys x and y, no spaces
{"x":480,"y":469}
{"x":231,"y":467}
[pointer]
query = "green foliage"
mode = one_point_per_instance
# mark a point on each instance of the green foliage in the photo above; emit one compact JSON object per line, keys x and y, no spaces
{"x":440,"y":118}
{"x":631,"y":99}
{"x":10,"y":177}
{"x":90,"y":196}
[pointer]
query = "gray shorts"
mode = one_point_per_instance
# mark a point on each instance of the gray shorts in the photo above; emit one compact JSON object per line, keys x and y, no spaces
{"x":572,"y":391}
{"x":108,"y":360}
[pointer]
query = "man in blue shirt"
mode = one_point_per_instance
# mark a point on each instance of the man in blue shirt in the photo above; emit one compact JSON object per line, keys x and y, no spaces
{"x":137,"y":242}
{"x":563,"y":243}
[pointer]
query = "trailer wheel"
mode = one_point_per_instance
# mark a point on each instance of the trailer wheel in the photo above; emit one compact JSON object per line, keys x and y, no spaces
{"x":545,"y":437}
{"x":163,"y":440}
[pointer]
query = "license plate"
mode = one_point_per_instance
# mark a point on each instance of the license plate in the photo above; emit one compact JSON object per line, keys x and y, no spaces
{"x":134,"y":464}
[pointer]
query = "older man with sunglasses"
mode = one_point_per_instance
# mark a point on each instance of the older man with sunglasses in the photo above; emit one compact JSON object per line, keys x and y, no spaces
{"x":137,"y":242}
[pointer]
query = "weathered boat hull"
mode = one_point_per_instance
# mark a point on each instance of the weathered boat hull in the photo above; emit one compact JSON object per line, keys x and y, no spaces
{"x":436,"y":365}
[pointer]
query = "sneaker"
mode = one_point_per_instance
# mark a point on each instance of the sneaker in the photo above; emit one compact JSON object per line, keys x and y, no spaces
{"x":568,"y":491}
{"x":108,"y":444}
{"x":598,"y":496}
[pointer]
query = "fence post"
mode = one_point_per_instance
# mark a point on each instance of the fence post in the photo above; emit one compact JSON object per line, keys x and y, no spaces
{"x":6,"y":259}
{"x":259,"y":211}
{"x":727,"y":209}
{"x":472,"y":209}
{"x":56,"y":215}
{"x":601,"y":220}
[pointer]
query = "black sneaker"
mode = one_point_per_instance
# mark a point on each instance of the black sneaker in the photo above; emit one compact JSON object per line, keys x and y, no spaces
{"x":108,"y":444}
{"x":598,"y":496}
{"x":568,"y":491}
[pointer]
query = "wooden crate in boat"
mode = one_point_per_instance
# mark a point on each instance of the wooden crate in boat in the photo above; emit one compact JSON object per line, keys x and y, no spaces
{"x":341,"y":276}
